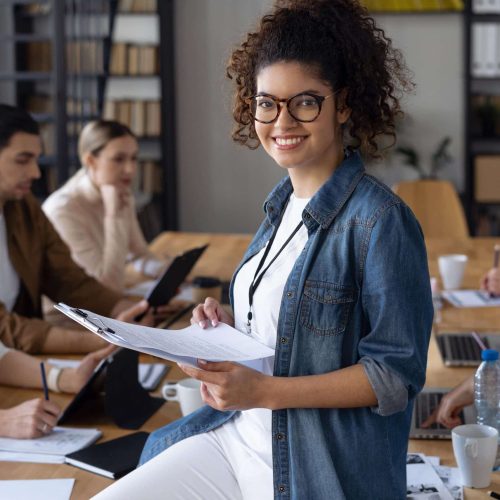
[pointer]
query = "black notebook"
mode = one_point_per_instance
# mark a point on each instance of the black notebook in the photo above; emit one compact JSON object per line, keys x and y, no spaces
{"x":113,"y":458}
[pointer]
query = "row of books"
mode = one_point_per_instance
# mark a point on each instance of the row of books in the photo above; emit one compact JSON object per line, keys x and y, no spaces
{"x":86,"y":108}
{"x":143,"y":117}
{"x":486,"y":6}
{"x":148,"y":178}
{"x":85,"y":56}
{"x":127,"y":59}
{"x":485,"y":51}
{"x":137,"y":6}
{"x":81,"y":56}
{"x":413,"y":5}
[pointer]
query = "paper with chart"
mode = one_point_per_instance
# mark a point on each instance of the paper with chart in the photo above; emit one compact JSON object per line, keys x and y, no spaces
{"x":222,"y":343}
{"x":471,"y":298}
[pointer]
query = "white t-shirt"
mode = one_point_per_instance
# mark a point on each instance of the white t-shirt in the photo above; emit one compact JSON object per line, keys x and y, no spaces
{"x":249,"y":432}
{"x":9,"y":279}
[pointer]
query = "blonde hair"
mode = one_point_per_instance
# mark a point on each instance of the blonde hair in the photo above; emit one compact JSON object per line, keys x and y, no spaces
{"x":96,"y":135}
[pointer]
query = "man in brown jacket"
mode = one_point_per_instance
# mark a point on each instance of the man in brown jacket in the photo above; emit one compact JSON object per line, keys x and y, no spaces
{"x":34,"y":261}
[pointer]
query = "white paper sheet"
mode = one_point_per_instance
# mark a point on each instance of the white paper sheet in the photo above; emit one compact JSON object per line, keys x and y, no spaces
{"x":222,"y":343}
{"x":36,"y":489}
{"x":61,"y":441}
{"x":37,"y":458}
{"x":471,"y":298}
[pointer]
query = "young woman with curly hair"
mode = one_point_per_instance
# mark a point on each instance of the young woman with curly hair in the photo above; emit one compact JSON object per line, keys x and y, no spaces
{"x":335,"y":280}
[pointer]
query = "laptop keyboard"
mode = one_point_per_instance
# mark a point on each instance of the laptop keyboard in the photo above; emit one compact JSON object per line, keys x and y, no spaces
{"x":458,"y":347}
{"x":424,"y":406}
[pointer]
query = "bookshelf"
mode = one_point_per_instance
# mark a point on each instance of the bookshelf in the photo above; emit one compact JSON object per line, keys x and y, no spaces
{"x":482,"y":115}
{"x":64,"y":61}
{"x":53,"y":65}
{"x":140,"y":93}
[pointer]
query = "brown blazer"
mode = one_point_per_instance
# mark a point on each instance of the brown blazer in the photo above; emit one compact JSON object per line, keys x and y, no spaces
{"x":43,"y":263}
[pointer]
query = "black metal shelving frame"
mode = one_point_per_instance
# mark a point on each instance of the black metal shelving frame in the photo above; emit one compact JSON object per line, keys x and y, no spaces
{"x":473,"y":145}
{"x":70,"y":22}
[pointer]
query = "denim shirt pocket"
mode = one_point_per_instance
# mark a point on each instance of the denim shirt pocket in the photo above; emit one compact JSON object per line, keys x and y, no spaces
{"x":326,"y":307}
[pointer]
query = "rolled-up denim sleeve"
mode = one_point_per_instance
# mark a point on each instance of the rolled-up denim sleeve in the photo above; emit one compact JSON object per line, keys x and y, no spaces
{"x":397,"y":305}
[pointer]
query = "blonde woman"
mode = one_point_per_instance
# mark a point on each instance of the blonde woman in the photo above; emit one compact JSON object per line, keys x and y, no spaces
{"x":94,"y":212}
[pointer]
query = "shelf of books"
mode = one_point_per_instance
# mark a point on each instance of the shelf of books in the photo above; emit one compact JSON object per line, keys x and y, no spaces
{"x":482,"y":123}
{"x":54,"y":65}
{"x":133,"y":96}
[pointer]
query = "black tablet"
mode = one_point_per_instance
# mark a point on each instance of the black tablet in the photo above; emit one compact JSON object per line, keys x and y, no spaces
{"x":168,"y":284}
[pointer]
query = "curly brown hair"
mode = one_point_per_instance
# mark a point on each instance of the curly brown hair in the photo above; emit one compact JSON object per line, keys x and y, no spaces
{"x":341,"y":42}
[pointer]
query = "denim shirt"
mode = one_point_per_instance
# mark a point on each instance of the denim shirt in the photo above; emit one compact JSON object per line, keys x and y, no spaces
{"x":358,"y":293}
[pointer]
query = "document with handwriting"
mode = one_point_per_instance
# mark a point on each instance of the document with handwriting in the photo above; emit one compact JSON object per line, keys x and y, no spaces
{"x":222,"y":343}
{"x":61,"y":441}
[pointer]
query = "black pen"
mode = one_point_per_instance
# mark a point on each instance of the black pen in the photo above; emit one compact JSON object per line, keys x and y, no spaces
{"x":493,"y":494}
{"x":44,"y":381}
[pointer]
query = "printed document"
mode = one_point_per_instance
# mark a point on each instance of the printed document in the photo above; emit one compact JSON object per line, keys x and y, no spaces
{"x":220,"y":343}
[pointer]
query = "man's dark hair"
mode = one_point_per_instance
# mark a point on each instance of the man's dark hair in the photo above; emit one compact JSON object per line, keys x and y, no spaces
{"x":13,"y":120}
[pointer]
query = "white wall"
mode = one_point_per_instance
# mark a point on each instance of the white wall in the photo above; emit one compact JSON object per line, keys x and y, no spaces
{"x":433,"y":49}
{"x":222,"y":185}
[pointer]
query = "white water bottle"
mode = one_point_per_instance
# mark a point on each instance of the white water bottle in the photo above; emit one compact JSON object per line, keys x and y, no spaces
{"x":487,"y":391}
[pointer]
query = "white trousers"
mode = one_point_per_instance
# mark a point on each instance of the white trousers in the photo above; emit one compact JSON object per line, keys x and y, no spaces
{"x":197,"y":468}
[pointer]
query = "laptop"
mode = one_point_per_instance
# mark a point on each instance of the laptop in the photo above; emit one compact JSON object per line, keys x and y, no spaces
{"x":460,"y":349}
{"x":425,"y":404}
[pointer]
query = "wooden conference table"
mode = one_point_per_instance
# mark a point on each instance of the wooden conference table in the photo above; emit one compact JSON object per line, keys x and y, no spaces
{"x":220,"y":259}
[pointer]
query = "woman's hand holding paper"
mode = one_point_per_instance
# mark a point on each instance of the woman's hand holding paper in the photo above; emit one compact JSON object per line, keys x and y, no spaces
{"x":211,"y":311}
{"x":229,"y":386}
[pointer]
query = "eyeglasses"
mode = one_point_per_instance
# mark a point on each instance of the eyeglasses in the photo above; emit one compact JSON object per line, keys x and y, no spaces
{"x":302,"y":107}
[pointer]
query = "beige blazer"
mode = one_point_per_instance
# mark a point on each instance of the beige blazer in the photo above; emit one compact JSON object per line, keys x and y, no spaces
{"x":101,"y":244}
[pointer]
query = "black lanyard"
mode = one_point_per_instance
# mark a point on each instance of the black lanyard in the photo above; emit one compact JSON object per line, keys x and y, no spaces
{"x":258,"y":278}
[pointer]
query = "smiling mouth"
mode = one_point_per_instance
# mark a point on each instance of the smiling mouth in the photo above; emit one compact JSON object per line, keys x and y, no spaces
{"x":288,"y":142}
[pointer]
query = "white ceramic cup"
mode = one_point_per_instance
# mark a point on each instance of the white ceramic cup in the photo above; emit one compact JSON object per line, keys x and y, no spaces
{"x":475,"y":448}
{"x":186,"y":392}
{"x":451,"y":268}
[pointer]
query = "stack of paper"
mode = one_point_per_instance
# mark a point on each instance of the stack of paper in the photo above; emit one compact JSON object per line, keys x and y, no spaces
{"x":51,"y":448}
{"x":427,"y":480}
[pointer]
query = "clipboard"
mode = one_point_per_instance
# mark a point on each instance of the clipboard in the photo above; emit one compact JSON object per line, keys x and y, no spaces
{"x":166,"y":286}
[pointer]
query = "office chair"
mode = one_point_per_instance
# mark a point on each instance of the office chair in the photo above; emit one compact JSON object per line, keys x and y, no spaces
{"x":436,"y":206}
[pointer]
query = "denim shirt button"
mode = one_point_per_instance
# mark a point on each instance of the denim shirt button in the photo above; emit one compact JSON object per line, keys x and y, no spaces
{"x":280,"y":436}
{"x":289,"y":294}
{"x":283,"y":340}
{"x":281,"y":488}
{"x":307,"y":215}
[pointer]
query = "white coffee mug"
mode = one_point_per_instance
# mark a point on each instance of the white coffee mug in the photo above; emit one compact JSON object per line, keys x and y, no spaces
{"x":186,"y":392}
{"x":451,"y":268}
{"x":475,"y":448}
